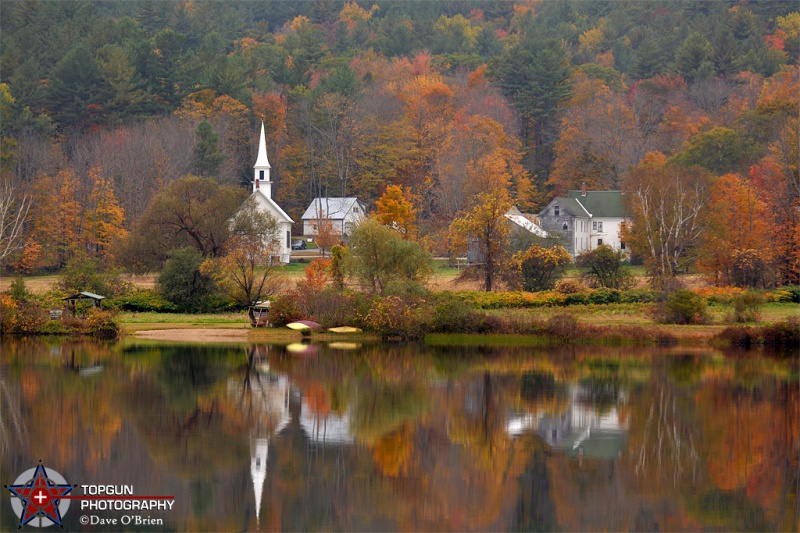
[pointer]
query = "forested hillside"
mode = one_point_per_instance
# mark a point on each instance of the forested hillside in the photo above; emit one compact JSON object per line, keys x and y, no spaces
{"x":105,"y":103}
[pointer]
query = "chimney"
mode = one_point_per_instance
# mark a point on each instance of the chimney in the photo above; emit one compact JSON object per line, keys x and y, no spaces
{"x":583,"y":189}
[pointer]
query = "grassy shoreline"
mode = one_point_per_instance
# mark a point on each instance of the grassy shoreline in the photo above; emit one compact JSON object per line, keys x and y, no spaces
{"x":618,"y":324}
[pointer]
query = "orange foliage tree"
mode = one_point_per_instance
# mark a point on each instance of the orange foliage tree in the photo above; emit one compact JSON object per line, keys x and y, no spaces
{"x":57,"y":220}
{"x":396,"y":210}
{"x":738,"y":223}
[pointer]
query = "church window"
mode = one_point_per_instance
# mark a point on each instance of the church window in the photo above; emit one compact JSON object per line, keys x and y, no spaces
{"x":261,"y":174}
{"x":556,"y":210}
{"x":288,"y":239}
{"x":565,"y":227}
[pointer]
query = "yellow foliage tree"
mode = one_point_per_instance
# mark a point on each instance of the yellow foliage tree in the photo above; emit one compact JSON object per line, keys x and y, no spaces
{"x":396,"y":210}
{"x":104,"y":217}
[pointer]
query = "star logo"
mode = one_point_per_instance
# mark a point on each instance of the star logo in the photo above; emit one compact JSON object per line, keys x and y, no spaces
{"x":38,"y":494}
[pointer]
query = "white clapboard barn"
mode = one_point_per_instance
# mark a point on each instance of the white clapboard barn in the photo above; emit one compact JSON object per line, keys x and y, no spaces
{"x":340,"y":214}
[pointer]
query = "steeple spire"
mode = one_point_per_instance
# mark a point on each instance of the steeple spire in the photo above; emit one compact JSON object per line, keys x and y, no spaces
{"x":261,"y":178}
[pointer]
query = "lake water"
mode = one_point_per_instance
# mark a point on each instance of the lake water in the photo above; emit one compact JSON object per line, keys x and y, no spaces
{"x":345,"y":437}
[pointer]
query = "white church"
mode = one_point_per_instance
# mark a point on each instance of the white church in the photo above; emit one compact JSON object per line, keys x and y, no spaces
{"x":262,"y":194}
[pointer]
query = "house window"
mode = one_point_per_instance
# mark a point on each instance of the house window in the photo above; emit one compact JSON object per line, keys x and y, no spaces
{"x":261,"y":175}
{"x":594,"y":226}
{"x":355,"y":210}
{"x":622,"y":245}
{"x":600,"y":226}
{"x":557,"y":210}
{"x":599,"y":242}
{"x":288,"y":239}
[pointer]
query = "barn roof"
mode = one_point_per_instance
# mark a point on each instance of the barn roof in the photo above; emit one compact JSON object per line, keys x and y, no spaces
{"x":334,"y":208}
{"x":601,"y":203}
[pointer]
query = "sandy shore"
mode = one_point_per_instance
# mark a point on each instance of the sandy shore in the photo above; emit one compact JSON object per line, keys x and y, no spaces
{"x":194,"y":335}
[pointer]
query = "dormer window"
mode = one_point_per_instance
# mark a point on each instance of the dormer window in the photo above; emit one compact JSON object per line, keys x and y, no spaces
{"x":557,"y":210}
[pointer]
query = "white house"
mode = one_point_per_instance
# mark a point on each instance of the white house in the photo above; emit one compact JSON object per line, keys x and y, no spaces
{"x":262,"y":194}
{"x":586,"y":219}
{"x":342,"y":214}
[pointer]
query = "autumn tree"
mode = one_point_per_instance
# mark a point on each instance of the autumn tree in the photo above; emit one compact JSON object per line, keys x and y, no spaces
{"x":396,"y":210}
{"x":476,"y":157}
{"x":599,"y":141}
{"x":104,"y":217}
{"x":191,"y":211}
{"x":739,"y":224}
{"x":248,"y":270}
{"x":57,"y":221}
{"x":669,"y":216}
{"x":378,"y":256}
{"x":485,"y":228}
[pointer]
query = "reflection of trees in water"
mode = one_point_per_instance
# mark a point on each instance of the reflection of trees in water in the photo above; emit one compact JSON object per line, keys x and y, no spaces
{"x":13,"y":429}
{"x":668,"y":444}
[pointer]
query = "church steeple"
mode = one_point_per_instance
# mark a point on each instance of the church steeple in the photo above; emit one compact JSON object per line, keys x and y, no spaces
{"x":261,"y":179}
{"x":258,"y":470}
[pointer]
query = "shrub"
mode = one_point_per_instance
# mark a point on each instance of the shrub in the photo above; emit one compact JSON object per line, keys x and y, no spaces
{"x":792,"y":292}
{"x":603,"y":267}
{"x":455,"y":316}
{"x":392,"y":317}
{"x":604,"y":296}
{"x":182,"y":283}
{"x":683,"y":307}
{"x":540,"y":267}
{"x":20,"y":317}
{"x":102,"y":324}
{"x":283,"y":309}
{"x":144,"y":300}
{"x":638,"y":296}
{"x":747,"y":307}
{"x":784,"y":334}
{"x":568,"y":286}
{"x":563,"y":326}
{"x":333,"y":307}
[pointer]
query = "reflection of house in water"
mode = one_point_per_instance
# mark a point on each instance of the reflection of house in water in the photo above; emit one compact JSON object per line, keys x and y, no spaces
{"x":329,"y":428}
{"x":583,"y":428}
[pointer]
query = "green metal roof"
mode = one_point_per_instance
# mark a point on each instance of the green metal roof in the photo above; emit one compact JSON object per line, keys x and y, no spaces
{"x":574,"y":208}
{"x":601,"y":203}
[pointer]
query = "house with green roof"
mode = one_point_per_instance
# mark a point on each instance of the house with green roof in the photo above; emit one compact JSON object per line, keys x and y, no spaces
{"x":586,"y":219}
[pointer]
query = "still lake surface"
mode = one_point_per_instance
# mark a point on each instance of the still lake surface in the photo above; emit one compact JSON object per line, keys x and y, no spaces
{"x":349,"y":437}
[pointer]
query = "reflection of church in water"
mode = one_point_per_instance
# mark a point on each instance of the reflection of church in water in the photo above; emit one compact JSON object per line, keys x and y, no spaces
{"x":583,"y":429}
{"x":275,"y":406}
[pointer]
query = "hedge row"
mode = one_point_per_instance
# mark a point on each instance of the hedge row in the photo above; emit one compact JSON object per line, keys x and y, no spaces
{"x":519,"y":299}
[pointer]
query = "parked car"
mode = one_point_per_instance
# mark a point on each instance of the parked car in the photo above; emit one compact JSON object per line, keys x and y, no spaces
{"x":298,"y":245}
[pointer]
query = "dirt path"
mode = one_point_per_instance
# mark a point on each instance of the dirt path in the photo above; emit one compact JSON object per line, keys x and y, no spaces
{"x":194,"y":335}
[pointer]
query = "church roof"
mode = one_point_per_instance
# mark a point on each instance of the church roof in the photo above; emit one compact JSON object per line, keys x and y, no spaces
{"x":601,"y":203}
{"x":333,"y":208}
{"x":278,"y":211}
